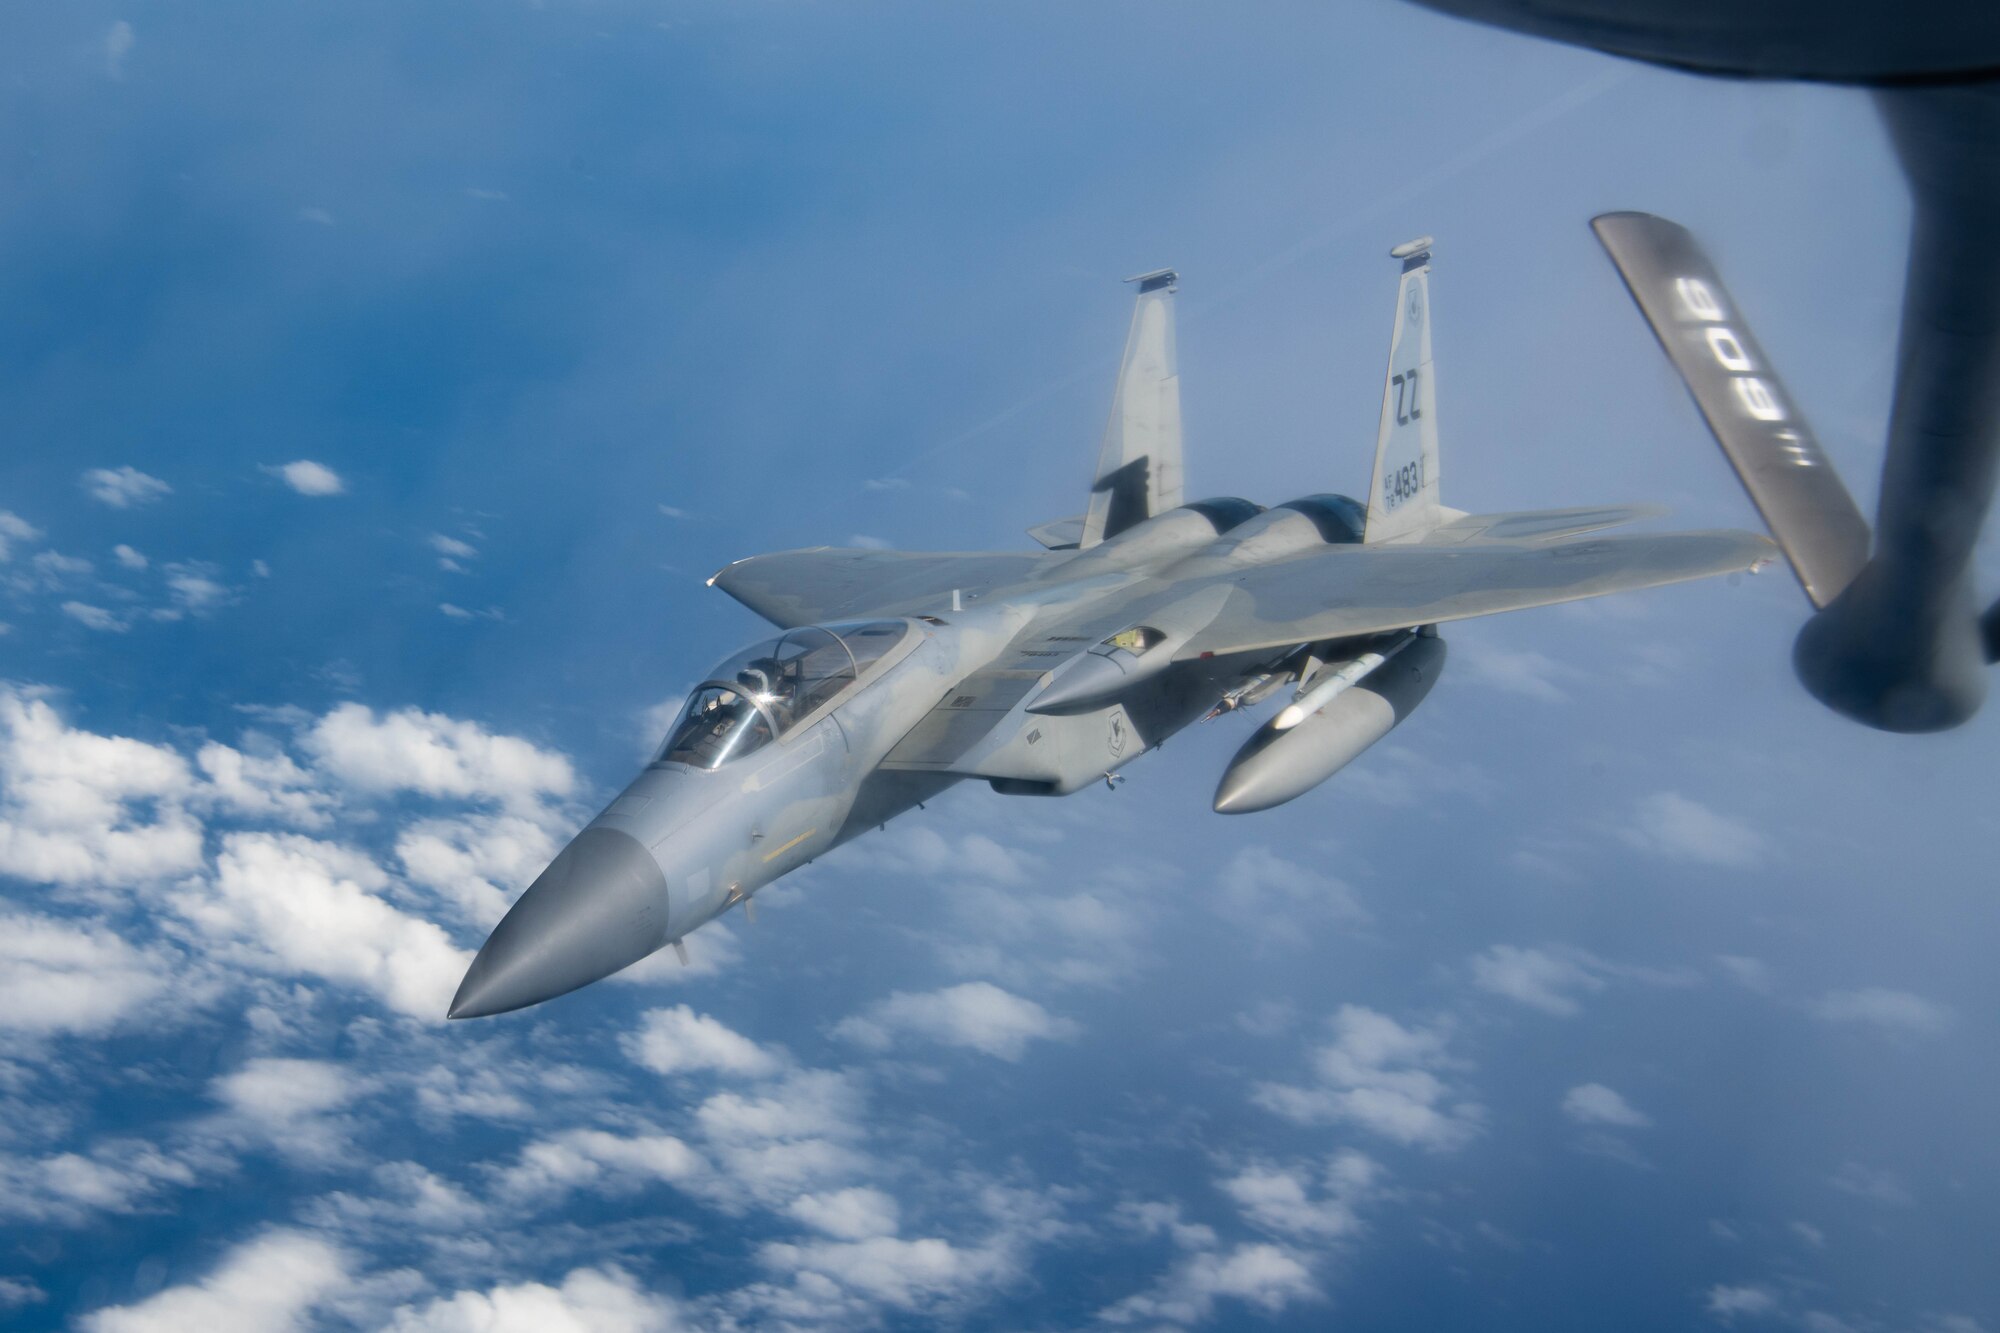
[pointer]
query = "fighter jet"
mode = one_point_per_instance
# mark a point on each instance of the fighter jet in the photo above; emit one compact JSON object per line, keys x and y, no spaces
{"x":898,"y":674}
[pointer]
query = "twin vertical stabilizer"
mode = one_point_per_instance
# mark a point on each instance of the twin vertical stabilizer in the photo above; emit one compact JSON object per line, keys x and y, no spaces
{"x":1403,"y":498}
{"x":1139,"y":467}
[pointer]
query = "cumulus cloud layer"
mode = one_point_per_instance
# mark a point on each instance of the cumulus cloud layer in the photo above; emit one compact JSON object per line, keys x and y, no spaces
{"x":94,"y":813}
{"x":1382,"y":1077}
{"x":976,"y":1016}
{"x":272,"y":1282}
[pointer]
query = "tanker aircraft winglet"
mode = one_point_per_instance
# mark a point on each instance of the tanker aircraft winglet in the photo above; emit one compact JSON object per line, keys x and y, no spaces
{"x":898,"y":674}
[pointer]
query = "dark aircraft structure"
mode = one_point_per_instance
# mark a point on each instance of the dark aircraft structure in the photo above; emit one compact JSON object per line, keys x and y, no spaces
{"x":894,"y":675}
{"x":1897,"y":640}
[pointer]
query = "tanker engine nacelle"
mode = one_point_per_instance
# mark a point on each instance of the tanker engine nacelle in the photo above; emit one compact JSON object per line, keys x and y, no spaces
{"x":1336,"y":715}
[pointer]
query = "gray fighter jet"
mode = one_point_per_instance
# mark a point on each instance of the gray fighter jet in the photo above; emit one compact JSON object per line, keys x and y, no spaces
{"x":897,"y":674}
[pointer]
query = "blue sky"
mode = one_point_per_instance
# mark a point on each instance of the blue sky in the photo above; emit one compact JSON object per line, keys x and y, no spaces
{"x":1622,"y":987}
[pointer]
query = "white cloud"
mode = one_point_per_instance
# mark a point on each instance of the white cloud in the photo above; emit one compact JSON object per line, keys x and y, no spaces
{"x":291,"y":1104}
{"x":680,"y":1041}
{"x":590,"y":1300}
{"x":1731,"y":1303}
{"x":1281,"y":1201}
{"x":194,"y":588}
{"x":1379,"y":1075}
{"x":53,"y":569}
{"x":57,"y":977}
{"x":1154,"y":1218}
{"x":296,"y":904}
{"x":69,"y":1188}
{"x":264,"y":1286}
{"x":94,"y":617}
{"x":128,"y":557}
{"x":1684,"y":830}
{"x":436,"y":755}
{"x":867,"y":543}
{"x":478,"y":863}
{"x":307,"y":477}
{"x":900,"y":1273}
{"x":601,"y":1162}
{"x":18,"y":1292}
{"x":119,"y":39}
{"x":402,"y":1197}
{"x":977,"y":1015}
{"x":123,"y":487}
{"x":1893,"y":1011}
{"x":1595,"y":1104}
{"x":72,"y":802}
{"x":792,"y":1136}
{"x":1535,"y":977}
{"x":451,"y":548}
{"x":850,"y":1214}
{"x":14,"y":528}
{"x":1263,"y":892}
{"x":1268,"y":1277}
{"x":265,"y":784}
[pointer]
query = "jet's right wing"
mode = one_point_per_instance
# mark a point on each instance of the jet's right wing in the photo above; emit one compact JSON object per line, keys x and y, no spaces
{"x":1537,"y":525}
{"x":1337,"y":592}
{"x":1766,"y":439}
{"x":825,"y":583}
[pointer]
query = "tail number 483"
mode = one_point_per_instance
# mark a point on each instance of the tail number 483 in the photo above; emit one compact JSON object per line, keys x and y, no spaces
{"x":1403,"y":484}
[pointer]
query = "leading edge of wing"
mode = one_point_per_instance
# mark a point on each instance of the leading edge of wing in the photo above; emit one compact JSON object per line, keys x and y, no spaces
{"x":823,"y":583}
{"x":1342,"y":591}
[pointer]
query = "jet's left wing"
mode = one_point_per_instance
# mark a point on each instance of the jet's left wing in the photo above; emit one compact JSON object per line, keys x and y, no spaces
{"x":1339,"y":591}
{"x":824,"y":583}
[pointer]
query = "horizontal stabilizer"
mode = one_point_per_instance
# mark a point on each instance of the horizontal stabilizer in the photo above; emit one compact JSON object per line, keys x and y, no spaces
{"x":826,"y":583}
{"x":1766,"y":439}
{"x":1059,"y":534}
{"x":1338,"y":592}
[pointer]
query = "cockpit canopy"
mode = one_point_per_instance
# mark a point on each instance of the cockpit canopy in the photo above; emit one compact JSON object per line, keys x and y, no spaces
{"x":763,"y":692}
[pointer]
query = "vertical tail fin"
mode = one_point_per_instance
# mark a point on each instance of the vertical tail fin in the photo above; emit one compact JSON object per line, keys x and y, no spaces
{"x":1403,"y":498}
{"x":1139,"y":467}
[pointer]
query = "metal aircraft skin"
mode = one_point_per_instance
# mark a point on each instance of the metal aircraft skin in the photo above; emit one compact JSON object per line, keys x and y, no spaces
{"x":897,"y":674}
{"x":1896,"y":641}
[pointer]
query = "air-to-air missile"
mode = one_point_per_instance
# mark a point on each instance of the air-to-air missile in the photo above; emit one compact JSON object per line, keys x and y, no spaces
{"x":898,"y":674}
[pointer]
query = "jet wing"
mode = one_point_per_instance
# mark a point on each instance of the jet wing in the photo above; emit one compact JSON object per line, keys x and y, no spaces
{"x":1340,"y":591}
{"x":1537,"y":525}
{"x":825,"y":583}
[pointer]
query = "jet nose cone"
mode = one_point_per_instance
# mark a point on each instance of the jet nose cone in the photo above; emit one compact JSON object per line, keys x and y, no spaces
{"x":601,"y":905}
